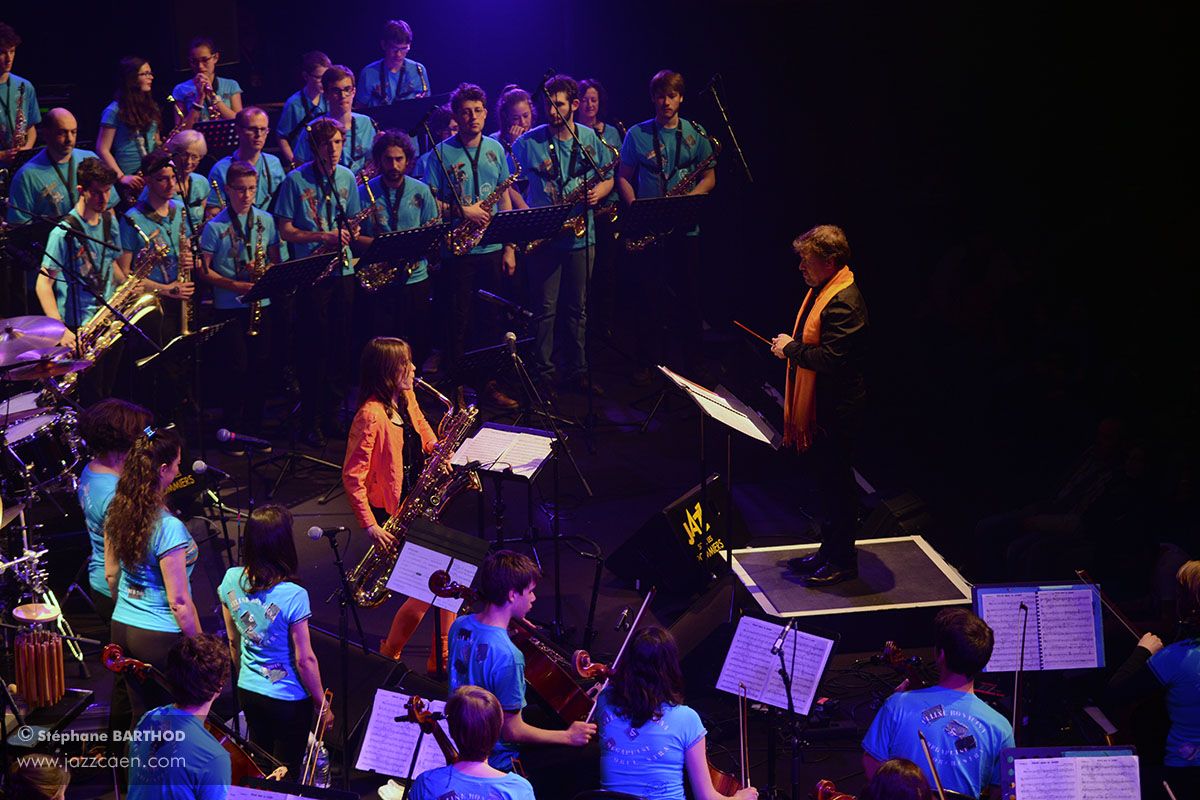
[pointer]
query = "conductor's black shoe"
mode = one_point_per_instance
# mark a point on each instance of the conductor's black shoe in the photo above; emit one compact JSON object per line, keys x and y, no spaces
{"x":806,"y":565}
{"x":829,"y":573}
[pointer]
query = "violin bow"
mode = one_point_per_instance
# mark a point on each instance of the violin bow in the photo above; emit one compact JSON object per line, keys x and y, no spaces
{"x":937,"y":779}
{"x":628,"y":635}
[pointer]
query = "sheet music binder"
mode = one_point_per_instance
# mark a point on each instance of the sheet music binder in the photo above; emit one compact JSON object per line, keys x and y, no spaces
{"x":408,"y":245}
{"x":289,"y":276}
{"x":220,"y":135}
{"x":1120,"y":763}
{"x":751,"y":662}
{"x":660,"y":215}
{"x":1065,"y":626}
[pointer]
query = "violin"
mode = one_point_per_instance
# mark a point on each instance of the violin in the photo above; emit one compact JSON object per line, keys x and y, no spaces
{"x":241,"y":765}
{"x":826,"y":790}
{"x":546,"y":669}
{"x":727,"y":783}
{"x":419,"y":713}
{"x":911,"y":667}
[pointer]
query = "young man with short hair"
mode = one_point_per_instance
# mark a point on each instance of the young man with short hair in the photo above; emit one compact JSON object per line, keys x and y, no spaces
{"x":965,"y":734}
{"x":205,"y":90}
{"x":395,"y":76}
{"x":252,"y":129}
{"x":307,"y":104}
{"x":311,"y":209}
{"x":338,"y":83}
{"x":17,"y":98}
{"x":559,"y":270}
{"x":482,"y":654}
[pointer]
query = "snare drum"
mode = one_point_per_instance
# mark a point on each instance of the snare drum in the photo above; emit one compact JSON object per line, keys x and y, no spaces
{"x":19,"y":407}
{"x":45,"y":447}
{"x":40,"y":671}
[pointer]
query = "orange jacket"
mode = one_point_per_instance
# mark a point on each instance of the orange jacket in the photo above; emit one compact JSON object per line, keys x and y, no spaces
{"x":373,"y":471}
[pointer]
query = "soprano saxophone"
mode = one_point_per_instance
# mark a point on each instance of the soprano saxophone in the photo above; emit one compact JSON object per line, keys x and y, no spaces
{"x":438,"y":484}
{"x":20,"y":124}
{"x":257,"y":268}
{"x":467,"y":235}
{"x":187,"y":260}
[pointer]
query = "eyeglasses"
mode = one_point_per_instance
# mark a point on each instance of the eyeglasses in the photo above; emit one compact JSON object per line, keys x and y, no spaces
{"x":338,"y":91}
{"x":145,"y":74}
{"x":196,"y":60}
{"x":256,"y":130}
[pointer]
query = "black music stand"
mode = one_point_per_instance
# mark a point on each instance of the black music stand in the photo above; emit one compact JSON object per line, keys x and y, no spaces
{"x":220,"y":135}
{"x":526,"y":224}
{"x":661,"y":215}
{"x":409,"y":245}
{"x":284,"y":279}
{"x":406,"y":114}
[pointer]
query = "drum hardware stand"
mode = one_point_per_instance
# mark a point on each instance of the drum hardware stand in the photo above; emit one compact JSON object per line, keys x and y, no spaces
{"x":346,"y":608}
{"x":31,"y":574}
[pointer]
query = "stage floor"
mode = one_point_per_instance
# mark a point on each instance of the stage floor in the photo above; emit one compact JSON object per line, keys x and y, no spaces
{"x":894,"y":573}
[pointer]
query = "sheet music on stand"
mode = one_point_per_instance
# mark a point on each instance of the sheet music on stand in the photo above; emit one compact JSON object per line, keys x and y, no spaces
{"x":750,"y":662}
{"x":180,"y":346}
{"x":719,"y":408}
{"x":526,"y":224}
{"x":429,"y":547}
{"x":1069,"y":773}
{"x":263,"y":789}
{"x":1065,"y":629}
{"x":388,"y":745}
{"x":506,"y":448}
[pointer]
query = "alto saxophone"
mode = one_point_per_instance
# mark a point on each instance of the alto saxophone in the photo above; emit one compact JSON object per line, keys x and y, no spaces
{"x":577,"y":225}
{"x":466,"y":235}
{"x":128,"y":302}
{"x":685,"y":185}
{"x":257,"y":268}
{"x":374,"y":277}
{"x":438,"y":484}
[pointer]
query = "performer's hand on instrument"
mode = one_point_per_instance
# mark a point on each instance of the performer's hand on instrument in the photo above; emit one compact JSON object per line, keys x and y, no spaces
{"x":381,"y":537}
{"x":580,"y":733}
{"x":509,"y":260}
{"x":749,"y":793}
{"x":180,"y":290}
{"x":476,"y":214}
{"x":514,"y":131}
{"x":241,"y":287}
{"x":133,"y":183}
{"x":594,"y":196}
{"x":428,"y":446}
{"x":328,"y":715}
{"x":1151,"y":643}
{"x":68,"y":340}
{"x":779,"y":342}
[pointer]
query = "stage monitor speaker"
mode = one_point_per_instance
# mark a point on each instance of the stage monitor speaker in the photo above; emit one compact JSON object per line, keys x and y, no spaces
{"x":678,"y":549}
{"x":902,"y":514}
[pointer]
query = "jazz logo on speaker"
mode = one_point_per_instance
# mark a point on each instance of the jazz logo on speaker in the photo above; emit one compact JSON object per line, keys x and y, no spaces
{"x":693,"y":524}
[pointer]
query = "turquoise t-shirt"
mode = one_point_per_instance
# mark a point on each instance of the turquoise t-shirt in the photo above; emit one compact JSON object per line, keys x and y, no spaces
{"x":483,"y":655}
{"x":232,"y":246}
{"x":270,"y":178}
{"x":1177,"y":667}
{"x":176,"y":758}
{"x":128,"y":145}
{"x":421,"y":165}
{"x":448,"y":783}
{"x":264,"y":620}
{"x":141,"y":594}
{"x":683,"y":148}
{"x":306,"y":200}
{"x":185,"y":94}
{"x":10,"y":93}
{"x":87,"y":259}
{"x":410,"y":206}
{"x":295,"y":110}
{"x":192,"y":195}
{"x":379,"y":86}
{"x":475,"y":175}
{"x":47,"y":189}
{"x":612,"y":136}
{"x":965,"y":736}
{"x":96,"y":490}
{"x":647,"y":761}
{"x":355,"y":150}
{"x":170,"y":232}
{"x":555,"y":168}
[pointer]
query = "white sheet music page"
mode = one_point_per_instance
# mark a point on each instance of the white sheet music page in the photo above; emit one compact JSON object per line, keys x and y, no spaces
{"x":1048,"y":778}
{"x":497,"y":449}
{"x":750,"y":662}
{"x":1068,"y":629}
{"x":414,"y":565}
{"x":388,"y":745}
{"x":486,"y":447}
{"x":1002,"y":612}
{"x":525,"y":453}
{"x":1105,"y":777}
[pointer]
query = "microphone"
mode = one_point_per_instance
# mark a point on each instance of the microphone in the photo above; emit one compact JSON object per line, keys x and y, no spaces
{"x":502,"y":302}
{"x":623,"y":620}
{"x":316,"y":532}
{"x":420,"y":126}
{"x":200,"y":468}
{"x":510,"y":339}
{"x":712,"y":83}
{"x":775,"y":648}
{"x":226,"y":435}
{"x":550,"y":73}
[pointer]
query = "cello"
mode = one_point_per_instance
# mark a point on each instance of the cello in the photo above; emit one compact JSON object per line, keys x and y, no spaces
{"x":241,"y":765}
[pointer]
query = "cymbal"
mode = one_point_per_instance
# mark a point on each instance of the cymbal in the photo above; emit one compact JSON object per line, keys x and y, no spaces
{"x":47,"y":368}
{"x":19,"y":335}
{"x":14,"y":357}
{"x":7,"y":515}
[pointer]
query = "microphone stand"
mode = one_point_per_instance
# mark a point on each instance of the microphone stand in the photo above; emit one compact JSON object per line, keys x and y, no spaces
{"x":737,"y":148}
{"x":1016,"y":714}
{"x":194,"y":237}
{"x":346,"y":607}
{"x":792,"y":724}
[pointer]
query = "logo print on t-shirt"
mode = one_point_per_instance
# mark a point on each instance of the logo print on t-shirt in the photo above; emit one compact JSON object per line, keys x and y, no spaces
{"x":481,"y":652}
{"x":932,"y":714}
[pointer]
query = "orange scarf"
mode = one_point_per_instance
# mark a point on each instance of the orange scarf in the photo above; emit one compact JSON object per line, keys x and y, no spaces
{"x":799,"y":404}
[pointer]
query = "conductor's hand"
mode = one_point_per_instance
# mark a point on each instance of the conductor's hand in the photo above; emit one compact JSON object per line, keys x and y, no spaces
{"x":580,"y":733}
{"x":779,"y":342}
{"x":1151,"y":643}
{"x":381,"y":537}
{"x":749,"y":793}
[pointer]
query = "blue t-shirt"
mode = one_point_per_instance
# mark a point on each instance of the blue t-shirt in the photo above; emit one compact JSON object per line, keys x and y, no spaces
{"x":176,"y":758}
{"x":647,"y":761}
{"x":472,"y":183}
{"x":185,"y":94}
{"x":1177,"y":667}
{"x":356,"y":148}
{"x":39,"y":188}
{"x":128,"y":145}
{"x":170,"y":232}
{"x":421,"y":165}
{"x":965,"y":736}
{"x":270,"y":178}
{"x":447,"y":783}
{"x":193,"y":195}
{"x":305,"y":199}
{"x":555,"y":168}
{"x":410,"y":206}
{"x":264,"y":620}
{"x":296,"y":110}
{"x":87,"y":259}
{"x":683,"y":148}
{"x":96,"y":490}
{"x":483,"y":655}
{"x":612,"y":136}
{"x":142,"y":594}
{"x":379,"y":86}
{"x":231,"y":252}
{"x":10,"y":93}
